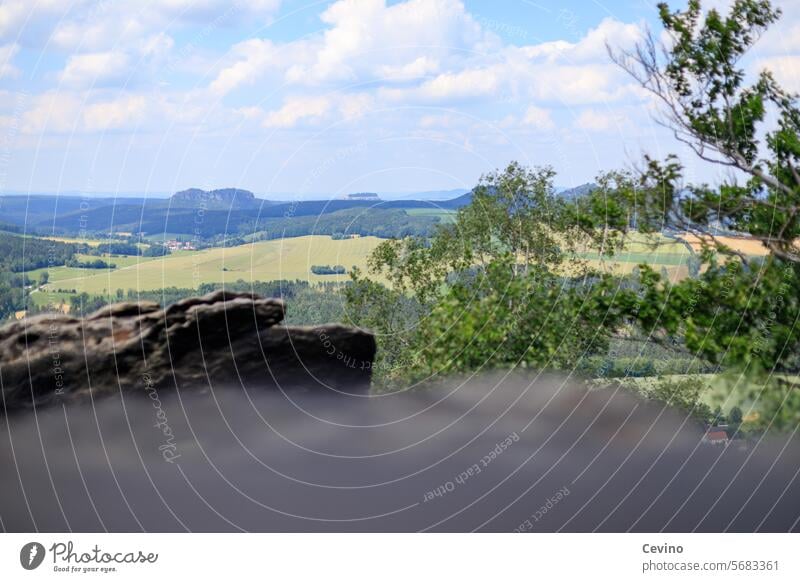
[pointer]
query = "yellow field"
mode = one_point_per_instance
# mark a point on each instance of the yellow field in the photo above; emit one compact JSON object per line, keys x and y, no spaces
{"x":675,"y":273}
{"x":656,"y":250}
{"x":745,"y":245}
{"x":292,"y":258}
{"x":87,"y":241}
{"x":289,"y":258}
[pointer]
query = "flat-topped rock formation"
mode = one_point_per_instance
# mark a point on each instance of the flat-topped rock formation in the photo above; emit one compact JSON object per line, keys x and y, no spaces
{"x":220,"y":338}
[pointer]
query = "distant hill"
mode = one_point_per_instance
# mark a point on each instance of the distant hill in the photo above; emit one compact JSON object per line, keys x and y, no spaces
{"x":227,"y":210}
{"x":222,"y":199}
{"x":426,"y":195}
{"x":456,"y":203}
{"x":577,"y":191}
{"x":369,"y":196}
{"x":42,"y":210}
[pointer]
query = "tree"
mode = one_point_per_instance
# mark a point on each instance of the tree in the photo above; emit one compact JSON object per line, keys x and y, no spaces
{"x":44,"y":277}
{"x":156,"y":250}
{"x":497,"y":288}
{"x":699,"y":80}
{"x":751,"y":128}
{"x":683,"y":394}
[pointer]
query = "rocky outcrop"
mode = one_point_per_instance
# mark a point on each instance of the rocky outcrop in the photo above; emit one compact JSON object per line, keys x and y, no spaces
{"x":223,"y":198}
{"x":202,"y":342}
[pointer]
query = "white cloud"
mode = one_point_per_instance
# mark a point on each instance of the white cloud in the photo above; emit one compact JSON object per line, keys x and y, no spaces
{"x":354,"y":106}
{"x":367,"y":38}
{"x":419,"y":67}
{"x":548,"y":51}
{"x":251,"y":57}
{"x":580,"y":84}
{"x":96,"y":34}
{"x":557,"y":72}
{"x":16,"y":15}
{"x":538,"y":118}
{"x":95,"y":69}
{"x":589,"y":49}
{"x":7,"y":53}
{"x":444,"y":120}
{"x":592,"y":120}
{"x":121,"y":23}
{"x":783,"y":37}
{"x":592,"y":47}
{"x":125,"y":112}
{"x":464,"y":84}
{"x":310,"y":109}
{"x":517,"y":80}
{"x":296,"y":109}
{"x":62,"y":112}
{"x":786,"y":70}
{"x":156,"y":46}
{"x":52,"y":112}
{"x":12,"y":14}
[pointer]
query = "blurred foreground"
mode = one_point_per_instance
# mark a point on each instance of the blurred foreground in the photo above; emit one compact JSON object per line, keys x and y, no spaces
{"x":492,"y":453}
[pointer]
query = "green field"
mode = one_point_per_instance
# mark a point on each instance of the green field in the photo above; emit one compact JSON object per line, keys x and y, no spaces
{"x":43,"y":298}
{"x":65,"y":277}
{"x":119,"y":260}
{"x":289,"y":258}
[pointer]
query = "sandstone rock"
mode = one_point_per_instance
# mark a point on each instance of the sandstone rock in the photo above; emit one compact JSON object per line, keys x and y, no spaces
{"x":222,"y":337}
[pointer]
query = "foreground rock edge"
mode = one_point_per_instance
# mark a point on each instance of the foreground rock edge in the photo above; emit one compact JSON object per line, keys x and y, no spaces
{"x":222,"y":338}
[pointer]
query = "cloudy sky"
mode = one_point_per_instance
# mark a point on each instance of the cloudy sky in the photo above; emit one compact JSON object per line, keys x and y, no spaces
{"x":296,"y":96}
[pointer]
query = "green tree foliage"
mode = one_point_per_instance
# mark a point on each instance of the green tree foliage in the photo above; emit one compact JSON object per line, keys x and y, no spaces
{"x":486,"y":291}
{"x":21,"y":254}
{"x":683,"y":394}
{"x":328,"y":270}
{"x":700,"y":81}
{"x":116,"y":248}
{"x":155,"y":250}
{"x":24,"y":253}
{"x":379,"y":222}
{"x":505,"y":318}
{"x":94,"y":264}
{"x":742,"y":311}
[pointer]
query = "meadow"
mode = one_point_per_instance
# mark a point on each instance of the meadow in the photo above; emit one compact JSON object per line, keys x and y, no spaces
{"x":290,"y":258}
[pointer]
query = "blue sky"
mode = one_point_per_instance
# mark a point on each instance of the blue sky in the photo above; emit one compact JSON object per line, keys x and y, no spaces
{"x":326,"y":97}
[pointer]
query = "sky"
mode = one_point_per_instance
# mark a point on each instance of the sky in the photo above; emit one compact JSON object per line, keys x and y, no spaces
{"x":299,"y":97}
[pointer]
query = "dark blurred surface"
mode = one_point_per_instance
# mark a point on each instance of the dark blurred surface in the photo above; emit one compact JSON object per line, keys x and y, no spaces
{"x":550,"y":456}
